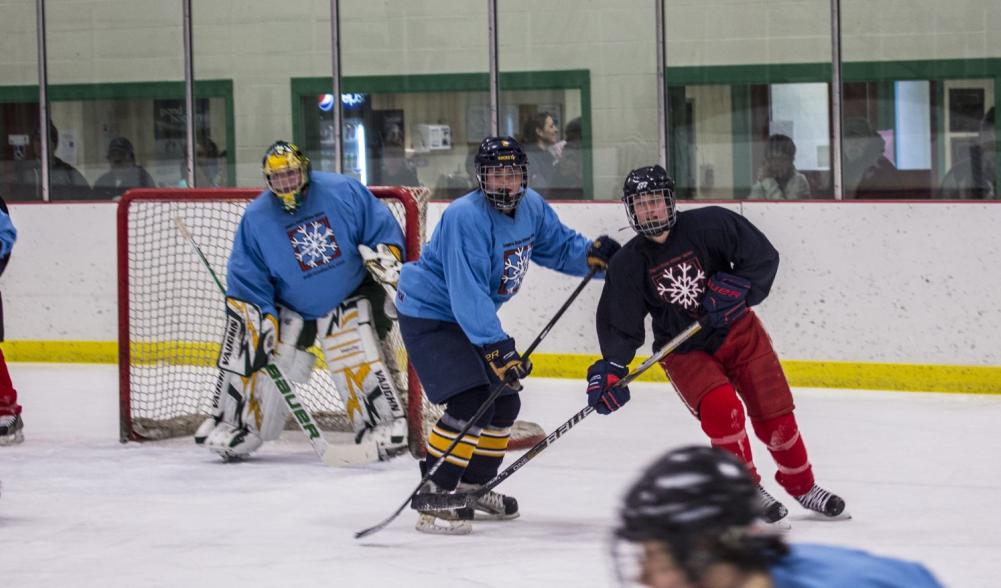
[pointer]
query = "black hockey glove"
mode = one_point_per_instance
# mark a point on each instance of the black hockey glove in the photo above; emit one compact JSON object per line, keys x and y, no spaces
{"x":601,"y":251}
{"x":602,"y":393}
{"x":724,"y":299}
{"x":506,"y":363}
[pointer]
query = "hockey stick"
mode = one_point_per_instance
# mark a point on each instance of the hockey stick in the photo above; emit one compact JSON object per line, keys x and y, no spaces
{"x":469,"y":499}
{"x":479,"y":413}
{"x":347,"y":455}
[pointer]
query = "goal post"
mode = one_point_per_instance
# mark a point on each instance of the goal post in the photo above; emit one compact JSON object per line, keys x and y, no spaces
{"x":171,"y":315}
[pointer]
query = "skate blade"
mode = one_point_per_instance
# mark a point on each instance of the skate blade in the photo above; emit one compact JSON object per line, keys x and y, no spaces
{"x":819,"y":516}
{"x":782,"y":524}
{"x":483,"y":515}
{"x":427,"y":523}
{"x":14,"y":439}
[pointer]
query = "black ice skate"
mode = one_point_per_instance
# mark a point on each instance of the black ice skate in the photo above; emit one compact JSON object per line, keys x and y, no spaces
{"x":821,"y":501}
{"x":773,"y":512}
{"x":441,"y":522}
{"x":11,"y":431}
{"x":492,"y":505}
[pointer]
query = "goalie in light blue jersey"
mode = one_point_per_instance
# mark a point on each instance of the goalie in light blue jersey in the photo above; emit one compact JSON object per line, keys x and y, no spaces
{"x":448,"y":301}
{"x":310,"y":261}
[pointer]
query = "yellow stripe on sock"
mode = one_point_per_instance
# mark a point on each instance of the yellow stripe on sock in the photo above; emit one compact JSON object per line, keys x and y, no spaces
{"x":464,"y":449}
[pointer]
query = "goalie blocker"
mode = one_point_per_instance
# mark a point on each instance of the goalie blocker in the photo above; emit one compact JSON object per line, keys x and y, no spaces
{"x":247,"y":407}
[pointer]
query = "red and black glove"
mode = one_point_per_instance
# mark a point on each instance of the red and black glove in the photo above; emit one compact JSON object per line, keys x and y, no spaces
{"x":725,"y":299}
{"x":602,"y":393}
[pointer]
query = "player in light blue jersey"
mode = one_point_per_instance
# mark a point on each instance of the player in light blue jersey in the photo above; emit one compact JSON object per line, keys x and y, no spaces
{"x":306,"y":266}
{"x":448,"y":301}
{"x":689,"y":522}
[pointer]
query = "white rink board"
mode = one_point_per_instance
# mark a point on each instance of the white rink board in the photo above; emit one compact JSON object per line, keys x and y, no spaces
{"x":889,"y":282}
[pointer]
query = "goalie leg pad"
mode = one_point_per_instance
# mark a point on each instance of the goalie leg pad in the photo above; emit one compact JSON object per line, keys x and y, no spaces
{"x":354,"y":358}
{"x":250,"y":412}
{"x":295,"y":336}
{"x":249,"y":338}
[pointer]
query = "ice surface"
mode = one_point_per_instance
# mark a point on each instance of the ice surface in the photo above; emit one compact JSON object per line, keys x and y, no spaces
{"x":919,"y":473}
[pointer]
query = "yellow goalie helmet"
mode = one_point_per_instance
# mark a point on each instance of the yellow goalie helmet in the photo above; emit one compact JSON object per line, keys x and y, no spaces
{"x":286,"y":171}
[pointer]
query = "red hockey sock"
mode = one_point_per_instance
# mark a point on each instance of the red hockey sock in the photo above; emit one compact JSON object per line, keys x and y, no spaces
{"x":8,"y":395}
{"x":784,"y":442}
{"x":722,"y":417}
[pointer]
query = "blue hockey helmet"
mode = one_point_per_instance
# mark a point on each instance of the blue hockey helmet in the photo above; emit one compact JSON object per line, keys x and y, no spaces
{"x":645,"y":188}
{"x":286,"y":171}
{"x":502,"y":172}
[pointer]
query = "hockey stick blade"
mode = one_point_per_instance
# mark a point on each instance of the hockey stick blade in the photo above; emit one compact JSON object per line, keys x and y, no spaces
{"x":351,"y":455}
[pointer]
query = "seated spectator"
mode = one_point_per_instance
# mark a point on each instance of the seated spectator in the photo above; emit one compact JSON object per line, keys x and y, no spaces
{"x":867,"y":172}
{"x":207,"y":164}
{"x":540,"y":140}
{"x":778,"y":178}
{"x":395,"y":169}
{"x":569,"y":167}
{"x":24,"y":182}
{"x":125,"y":173}
{"x":975,"y":178}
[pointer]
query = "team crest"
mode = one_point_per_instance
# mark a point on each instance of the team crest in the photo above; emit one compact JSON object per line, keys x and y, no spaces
{"x":515,"y":268}
{"x":314,"y":244}
{"x":680,"y":281}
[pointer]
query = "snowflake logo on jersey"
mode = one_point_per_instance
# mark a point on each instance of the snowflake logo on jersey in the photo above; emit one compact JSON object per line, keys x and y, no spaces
{"x":515,"y":268}
{"x":314,"y":244}
{"x":680,"y":281}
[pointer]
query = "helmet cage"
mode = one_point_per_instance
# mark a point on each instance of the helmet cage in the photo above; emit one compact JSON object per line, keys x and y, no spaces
{"x":652,"y":224}
{"x":286,"y":172}
{"x":501,"y":197}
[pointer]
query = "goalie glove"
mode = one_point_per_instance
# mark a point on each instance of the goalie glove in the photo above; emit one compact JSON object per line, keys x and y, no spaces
{"x":384,"y":263}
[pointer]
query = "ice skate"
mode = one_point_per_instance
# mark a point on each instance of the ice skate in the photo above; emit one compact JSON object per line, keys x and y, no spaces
{"x":823,"y":502}
{"x":11,"y":429}
{"x":443,"y":522}
{"x":773,"y":512}
{"x":492,"y":505}
{"x":389,"y":438}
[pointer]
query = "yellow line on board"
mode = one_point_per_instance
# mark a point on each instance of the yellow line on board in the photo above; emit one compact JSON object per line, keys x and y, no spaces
{"x":802,"y":374}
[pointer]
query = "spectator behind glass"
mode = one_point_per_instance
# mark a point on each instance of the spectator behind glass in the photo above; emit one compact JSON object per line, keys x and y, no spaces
{"x":208,"y":173}
{"x":395,"y":169}
{"x":867,"y":172}
{"x":125,"y":173}
{"x":65,"y":182}
{"x":778,"y":178}
{"x":540,"y":138}
{"x":569,"y":168}
{"x":975,"y":178}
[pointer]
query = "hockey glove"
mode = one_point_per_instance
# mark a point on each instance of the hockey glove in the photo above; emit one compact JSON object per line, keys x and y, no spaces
{"x":601,"y":251}
{"x":506,"y":363}
{"x":383,"y":263}
{"x":724,"y":299}
{"x":602,"y":393}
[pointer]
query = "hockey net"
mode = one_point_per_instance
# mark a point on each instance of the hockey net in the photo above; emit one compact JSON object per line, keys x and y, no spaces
{"x":171,"y":315}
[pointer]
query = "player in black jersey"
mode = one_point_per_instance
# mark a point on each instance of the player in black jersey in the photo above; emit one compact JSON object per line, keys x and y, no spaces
{"x":681,"y":266}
